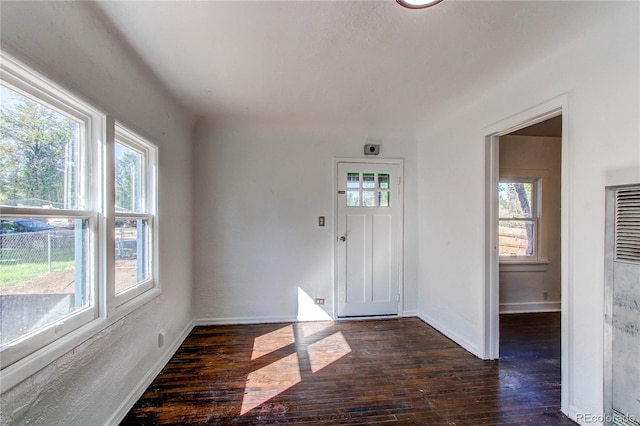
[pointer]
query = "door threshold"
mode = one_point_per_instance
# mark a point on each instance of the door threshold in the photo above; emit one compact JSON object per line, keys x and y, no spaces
{"x":367,"y":317}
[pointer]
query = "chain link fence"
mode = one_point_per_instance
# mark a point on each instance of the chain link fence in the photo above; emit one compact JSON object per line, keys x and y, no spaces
{"x":39,"y":279}
{"x":55,"y":245}
{"x":44,"y":247}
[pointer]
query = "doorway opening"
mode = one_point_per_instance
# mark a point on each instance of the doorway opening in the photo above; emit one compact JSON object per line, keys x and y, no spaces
{"x":526,"y":241}
{"x":529,"y":252}
{"x":529,"y":225}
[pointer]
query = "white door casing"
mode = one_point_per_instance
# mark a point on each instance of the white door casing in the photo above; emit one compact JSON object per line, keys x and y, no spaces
{"x":490,"y":349}
{"x":369,"y":238}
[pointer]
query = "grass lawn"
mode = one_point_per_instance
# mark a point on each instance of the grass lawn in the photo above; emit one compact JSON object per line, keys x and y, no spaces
{"x":15,"y":274}
{"x":17,"y":266}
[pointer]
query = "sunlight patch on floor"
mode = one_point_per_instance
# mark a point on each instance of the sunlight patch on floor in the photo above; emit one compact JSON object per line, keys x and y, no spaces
{"x":269,"y":381}
{"x":311,"y":328}
{"x":327,"y":351}
{"x":273,"y":341}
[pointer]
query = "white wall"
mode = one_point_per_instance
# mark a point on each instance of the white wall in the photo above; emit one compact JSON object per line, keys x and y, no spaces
{"x":258,"y":192}
{"x":599,"y":70}
{"x":67,"y":43}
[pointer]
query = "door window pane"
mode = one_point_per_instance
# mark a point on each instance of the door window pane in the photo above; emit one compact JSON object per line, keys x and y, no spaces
{"x":353,"y":180}
{"x":383,"y":181}
{"x":132,"y":253}
{"x":368,"y":198}
{"x":43,"y":274}
{"x":353,"y":198}
{"x":368,"y":180}
{"x":364,"y":190}
{"x":383,"y":198}
{"x":39,"y":160}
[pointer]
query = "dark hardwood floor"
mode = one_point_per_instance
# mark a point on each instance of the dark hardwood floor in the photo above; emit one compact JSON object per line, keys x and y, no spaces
{"x":357,"y":372}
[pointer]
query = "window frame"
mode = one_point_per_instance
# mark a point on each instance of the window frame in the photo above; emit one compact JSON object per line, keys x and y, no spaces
{"x":535,"y":179}
{"x":22,"y":80}
{"x":97,"y":205}
{"x":148,"y":210}
{"x":361,"y":189}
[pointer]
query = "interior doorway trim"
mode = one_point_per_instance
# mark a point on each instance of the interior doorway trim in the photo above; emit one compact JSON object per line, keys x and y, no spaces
{"x":491,"y":135}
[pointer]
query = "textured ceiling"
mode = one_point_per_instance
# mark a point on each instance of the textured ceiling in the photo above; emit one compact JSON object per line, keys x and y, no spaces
{"x":335,"y":63}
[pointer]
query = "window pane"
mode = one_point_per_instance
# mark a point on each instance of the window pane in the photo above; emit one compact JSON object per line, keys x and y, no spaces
{"x":43,"y":274}
{"x":515,"y":199}
{"x":368,"y":180}
{"x":383,"y":198}
{"x":368,"y":198}
{"x":128,"y":179}
{"x":353,"y":198}
{"x":132,"y":253}
{"x":38,"y":154}
{"x":353,"y":180}
{"x":516,"y":237}
{"x":383,"y":181}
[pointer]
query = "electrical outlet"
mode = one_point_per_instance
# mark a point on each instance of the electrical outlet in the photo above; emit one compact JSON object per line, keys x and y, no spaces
{"x":545,"y":295}
{"x":319,"y":301}
{"x":161,"y":336}
{"x":320,"y":220}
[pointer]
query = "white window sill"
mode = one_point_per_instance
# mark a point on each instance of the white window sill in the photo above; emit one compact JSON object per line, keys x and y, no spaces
{"x":524,"y":265}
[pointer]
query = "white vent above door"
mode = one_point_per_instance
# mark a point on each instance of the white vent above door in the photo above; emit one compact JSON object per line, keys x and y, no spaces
{"x":627,"y":225}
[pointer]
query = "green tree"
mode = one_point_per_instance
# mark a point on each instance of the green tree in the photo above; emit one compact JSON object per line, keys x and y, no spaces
{"x":127,"y":170}
{"x":33,"y":140}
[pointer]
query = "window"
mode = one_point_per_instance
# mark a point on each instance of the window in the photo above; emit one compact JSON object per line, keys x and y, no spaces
{"x":69,"y":254}
{"x":48,"y":285}
{"x":362,"y":190}
{"x":134,"y":182}
{"x":518,"y":229}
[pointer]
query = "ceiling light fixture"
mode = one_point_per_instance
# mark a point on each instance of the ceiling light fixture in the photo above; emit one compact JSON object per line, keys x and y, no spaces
{"x":417,"y":4}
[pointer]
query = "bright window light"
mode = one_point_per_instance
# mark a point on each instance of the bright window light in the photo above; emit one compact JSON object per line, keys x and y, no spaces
{"x":417,"y":4}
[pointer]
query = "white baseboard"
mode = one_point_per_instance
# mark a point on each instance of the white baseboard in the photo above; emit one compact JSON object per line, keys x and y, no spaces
{"x":242,"y":320}
{"x":148,"y":378}
{"x":529,"y":307}
{"x":583,"y":417}
{"x":461,"y":341}
{"x":410,"y":313}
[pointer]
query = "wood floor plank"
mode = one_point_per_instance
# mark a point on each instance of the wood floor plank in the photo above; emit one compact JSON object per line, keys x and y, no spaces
{"x":396,"y":371}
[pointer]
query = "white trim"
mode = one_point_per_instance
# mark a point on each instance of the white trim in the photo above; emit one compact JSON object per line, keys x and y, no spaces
{"x":138,"y":390}
{"x":409,"y":313}
{"x":529,"y":307}
{"x":243,"y":320}
{"x":451,"y":335}
{"x":490,"y":135}
{"x":522,"y":266}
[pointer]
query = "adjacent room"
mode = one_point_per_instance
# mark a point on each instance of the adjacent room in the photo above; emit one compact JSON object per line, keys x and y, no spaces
{"x":313,"y":177}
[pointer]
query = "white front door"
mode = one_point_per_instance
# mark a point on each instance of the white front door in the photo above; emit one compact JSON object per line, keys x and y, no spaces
{"x":369,"y":238}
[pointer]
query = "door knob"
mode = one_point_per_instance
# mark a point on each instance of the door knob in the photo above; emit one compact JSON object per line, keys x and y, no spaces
{"x":343,"y":238}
